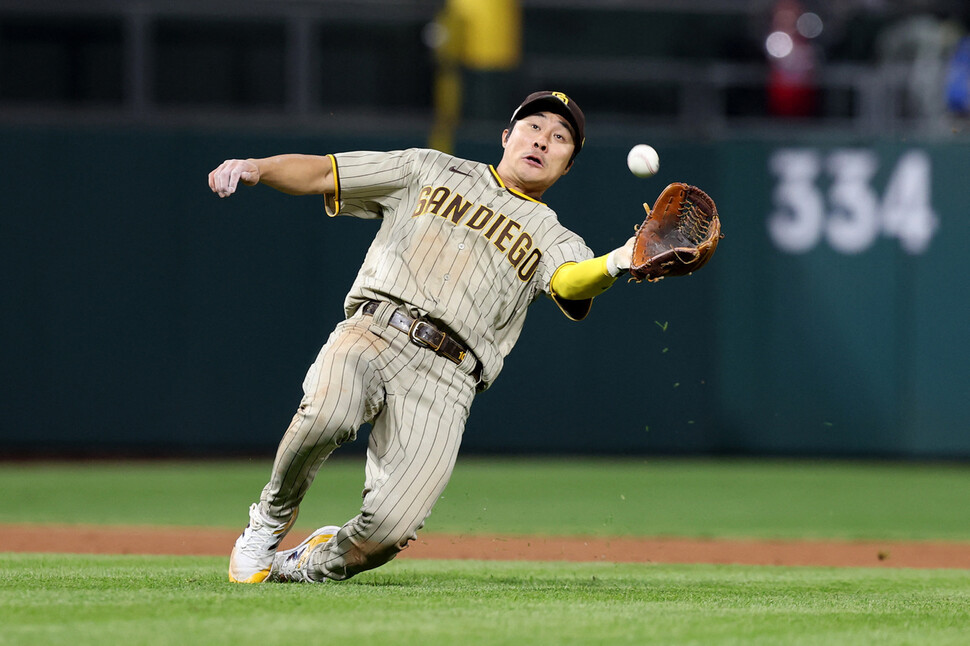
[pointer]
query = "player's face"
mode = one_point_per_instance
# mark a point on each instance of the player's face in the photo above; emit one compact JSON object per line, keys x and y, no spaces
{"x":537,"y":153}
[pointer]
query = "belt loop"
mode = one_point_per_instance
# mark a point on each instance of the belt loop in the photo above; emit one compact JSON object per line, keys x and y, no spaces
{"x":382,"y":315}
{"x":469,"y":363}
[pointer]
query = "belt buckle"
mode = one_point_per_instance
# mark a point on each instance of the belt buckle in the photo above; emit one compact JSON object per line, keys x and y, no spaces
{"x":413,"y":334}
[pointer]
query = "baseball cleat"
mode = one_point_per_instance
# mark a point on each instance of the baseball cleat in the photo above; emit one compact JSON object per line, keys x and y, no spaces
{"x":252,"y":555}
{"x":292,"y":565}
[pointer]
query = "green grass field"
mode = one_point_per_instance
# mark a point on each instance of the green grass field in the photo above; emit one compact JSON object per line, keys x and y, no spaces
{"x":77,"y":600}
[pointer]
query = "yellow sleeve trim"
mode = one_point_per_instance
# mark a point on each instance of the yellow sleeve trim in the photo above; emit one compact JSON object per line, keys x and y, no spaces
{"x":580,"y":281}
{"x":332,"y":202}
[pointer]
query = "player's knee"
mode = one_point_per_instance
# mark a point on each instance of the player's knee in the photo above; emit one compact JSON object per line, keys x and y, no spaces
{"x":360,"y":551}
{"x":334,"y":404}
{"x":405,"y":530}
{"x":317,"y":421}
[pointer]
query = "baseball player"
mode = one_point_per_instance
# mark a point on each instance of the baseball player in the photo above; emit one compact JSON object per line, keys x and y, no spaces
{"x":463,"y":249}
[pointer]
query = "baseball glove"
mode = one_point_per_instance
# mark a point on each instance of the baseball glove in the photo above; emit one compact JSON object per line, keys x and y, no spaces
{"x":679,"y":235}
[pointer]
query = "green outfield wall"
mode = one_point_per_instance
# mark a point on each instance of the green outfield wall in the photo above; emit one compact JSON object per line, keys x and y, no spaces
{"x":141,"y":314}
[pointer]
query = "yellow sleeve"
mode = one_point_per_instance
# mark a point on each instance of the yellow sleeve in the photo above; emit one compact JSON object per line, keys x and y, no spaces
{"x":574,"y":285}
{"x":579,"y":281}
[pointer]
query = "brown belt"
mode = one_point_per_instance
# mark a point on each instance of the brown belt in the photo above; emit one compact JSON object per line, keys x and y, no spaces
{"x":424,"y":333}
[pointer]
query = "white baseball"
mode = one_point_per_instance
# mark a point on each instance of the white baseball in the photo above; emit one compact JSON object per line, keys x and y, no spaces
{"x":643,"y":160}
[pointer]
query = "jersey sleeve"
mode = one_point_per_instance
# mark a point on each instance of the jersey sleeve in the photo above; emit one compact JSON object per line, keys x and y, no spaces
{"x":570,"y":248}
{"x":368,"y":183}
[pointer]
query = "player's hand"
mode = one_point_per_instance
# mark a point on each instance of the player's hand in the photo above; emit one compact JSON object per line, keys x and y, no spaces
{"x":226,"y":177}
{"x":619,"y":260}
{"x":624,"y":255}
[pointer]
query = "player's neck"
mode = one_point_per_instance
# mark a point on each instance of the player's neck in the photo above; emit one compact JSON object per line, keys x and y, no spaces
{"x":512,"y":183}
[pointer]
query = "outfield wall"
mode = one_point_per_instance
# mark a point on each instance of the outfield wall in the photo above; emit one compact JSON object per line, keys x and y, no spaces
{"x":143,"y":314}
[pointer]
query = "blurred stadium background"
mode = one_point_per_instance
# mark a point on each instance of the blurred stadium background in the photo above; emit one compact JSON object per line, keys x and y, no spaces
{"x":143,"y":316}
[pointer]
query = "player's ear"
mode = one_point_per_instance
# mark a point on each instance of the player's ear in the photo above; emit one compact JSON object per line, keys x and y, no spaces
{"x":568,"y":166}
{"x":505,"y":137}
{"x":571,"y":160}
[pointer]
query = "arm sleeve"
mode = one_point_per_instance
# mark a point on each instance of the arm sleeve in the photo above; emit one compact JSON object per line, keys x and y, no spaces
{"x":583,"y":280}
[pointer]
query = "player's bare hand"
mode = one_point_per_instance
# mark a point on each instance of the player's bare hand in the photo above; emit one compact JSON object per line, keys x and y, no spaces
{"x":226,"y":177}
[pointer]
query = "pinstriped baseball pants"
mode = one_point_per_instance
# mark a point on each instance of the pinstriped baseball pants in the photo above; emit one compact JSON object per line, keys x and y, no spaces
{"x":417,"y":403}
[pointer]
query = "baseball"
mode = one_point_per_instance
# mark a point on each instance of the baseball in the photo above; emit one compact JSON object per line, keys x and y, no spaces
{"x":643,"y":160}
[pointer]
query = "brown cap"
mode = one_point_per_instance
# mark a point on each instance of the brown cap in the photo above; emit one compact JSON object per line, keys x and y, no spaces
{"x":559,"y":103}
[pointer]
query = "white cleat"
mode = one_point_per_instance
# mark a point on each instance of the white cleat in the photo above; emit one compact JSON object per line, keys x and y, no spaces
{"x":292,"y":565}
{"x":252,"y":555}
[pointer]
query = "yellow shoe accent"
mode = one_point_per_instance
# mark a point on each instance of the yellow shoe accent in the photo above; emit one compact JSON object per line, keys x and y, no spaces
{"x":259,"y":577}
{"x":252,"y":555}
{"x":316,"y":540}
{"x":292,"y":565}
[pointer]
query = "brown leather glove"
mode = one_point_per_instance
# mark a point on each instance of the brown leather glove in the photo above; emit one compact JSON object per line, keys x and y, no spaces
{"x":679,"y":235}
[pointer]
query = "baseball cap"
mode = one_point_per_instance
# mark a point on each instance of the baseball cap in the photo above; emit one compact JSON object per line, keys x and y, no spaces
{"x":558,"y":102}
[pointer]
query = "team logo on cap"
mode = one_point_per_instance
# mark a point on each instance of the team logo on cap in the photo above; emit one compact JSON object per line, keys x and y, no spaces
{"x":562,"y":97}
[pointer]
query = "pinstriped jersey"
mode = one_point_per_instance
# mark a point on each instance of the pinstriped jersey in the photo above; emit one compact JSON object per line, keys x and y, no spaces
{"x":454,"y":245}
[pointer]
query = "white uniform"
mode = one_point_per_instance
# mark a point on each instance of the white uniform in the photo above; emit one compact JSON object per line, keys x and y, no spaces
{"x":459,"y":250}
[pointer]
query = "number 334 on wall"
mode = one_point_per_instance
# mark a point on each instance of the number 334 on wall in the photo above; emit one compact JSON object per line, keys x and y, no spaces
{"x":849,"y":216}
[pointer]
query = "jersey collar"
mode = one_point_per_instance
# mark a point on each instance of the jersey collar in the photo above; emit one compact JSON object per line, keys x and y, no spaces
{"x":510,"y":190}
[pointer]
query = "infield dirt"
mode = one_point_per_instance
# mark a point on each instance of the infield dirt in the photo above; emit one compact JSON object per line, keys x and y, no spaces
{"x":86,"y":539}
